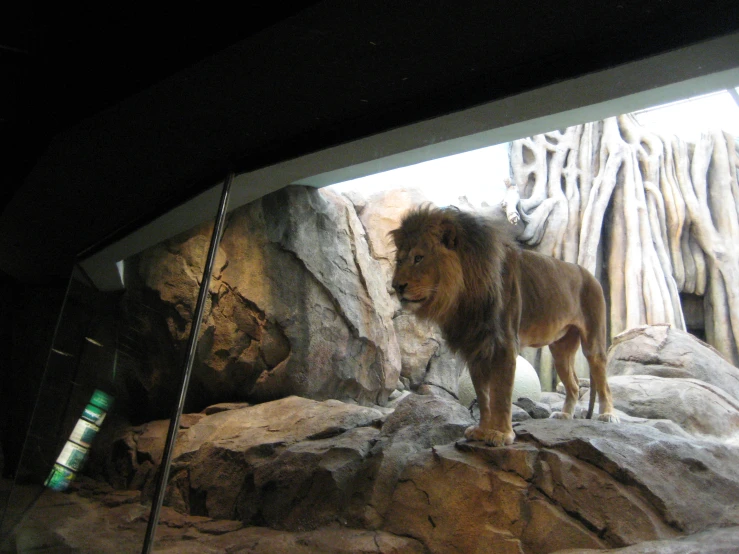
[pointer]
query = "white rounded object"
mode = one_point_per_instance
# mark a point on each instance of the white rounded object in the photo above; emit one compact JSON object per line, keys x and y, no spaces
{"x":526,"y":384}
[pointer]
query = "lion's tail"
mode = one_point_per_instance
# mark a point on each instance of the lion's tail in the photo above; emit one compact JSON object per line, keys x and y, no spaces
{"x":591,"y":402}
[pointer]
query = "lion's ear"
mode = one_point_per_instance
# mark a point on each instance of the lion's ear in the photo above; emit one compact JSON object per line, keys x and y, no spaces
{"x":449,"y":235}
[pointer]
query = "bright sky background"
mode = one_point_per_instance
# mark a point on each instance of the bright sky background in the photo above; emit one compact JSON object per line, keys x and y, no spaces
{"x":479,"y":174}
{"x":689,"y":118}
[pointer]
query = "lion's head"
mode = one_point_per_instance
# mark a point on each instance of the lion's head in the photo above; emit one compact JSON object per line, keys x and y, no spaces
{"x":428,"y":275}
{"x":449,"y":263}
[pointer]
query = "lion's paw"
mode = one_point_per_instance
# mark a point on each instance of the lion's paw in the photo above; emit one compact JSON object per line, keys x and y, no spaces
{"x":560,"y":415}
{"x":491,"y":437}
{"x":609,"y":418}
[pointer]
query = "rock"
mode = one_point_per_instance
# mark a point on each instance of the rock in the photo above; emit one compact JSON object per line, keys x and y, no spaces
{"x":662,"y":425}
{"x":419,"y":422}
{"x":308,"y":485}
{"x":69,"y":523}
{"x":517,"y":414}
{"x":224,"y":407}
{"x":426,"y":360}
{"x":583,"y":383}
{"x":380,"y":213}
{"x":188,"y":420}
{"x":552,"y":399}
{"x":573,"y":484}
{"x":433,"y":390}
{"x":296,"y":463}
{"x":663,"y":351}
{"x":395,"y":399}
{"x":288,"y":463}
{"x":297,"y":307}
{"x":322,"y":230}
{"x":237,"y":443}
{"x":715,"y":541}
{"x":127,"y":456}
{"x":536,"y":410}
{"x":329,"y":540}
{"x":459,"y":502}
{"x":699,"y":408}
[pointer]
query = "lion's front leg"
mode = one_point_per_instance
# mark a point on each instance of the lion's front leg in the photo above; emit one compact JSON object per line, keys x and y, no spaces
{"x":493,"y":384}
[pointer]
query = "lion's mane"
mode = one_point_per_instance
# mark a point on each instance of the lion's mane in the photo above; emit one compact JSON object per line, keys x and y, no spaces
{"x":469,"y":301}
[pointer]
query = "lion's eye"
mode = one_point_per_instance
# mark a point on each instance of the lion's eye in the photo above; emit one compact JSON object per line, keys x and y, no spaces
{"x":417,"y":259}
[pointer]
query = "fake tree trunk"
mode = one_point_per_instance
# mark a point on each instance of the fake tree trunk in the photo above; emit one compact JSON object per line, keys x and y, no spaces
{"x":651,"y":216}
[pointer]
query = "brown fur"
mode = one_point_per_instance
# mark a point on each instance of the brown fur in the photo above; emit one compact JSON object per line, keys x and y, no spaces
{"x":490,"y":298}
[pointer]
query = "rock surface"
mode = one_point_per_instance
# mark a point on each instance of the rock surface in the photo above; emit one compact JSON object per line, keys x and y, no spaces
{"x":87,"y":522}
{"x":563,"y":485}
{"x":715,"y":541}
{"x":661,"y":374}
{"x":293,"y":463}
{"x":297,"y":306}
{"x":418,"y":423}
{"x":663,"y":351}
{"x":297,"y":465}
{"x":698,"y":407}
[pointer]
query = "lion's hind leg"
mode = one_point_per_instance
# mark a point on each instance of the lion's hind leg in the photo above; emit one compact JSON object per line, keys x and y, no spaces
{"x":595,"y":353}
{"x":599,"y":384}
{"x":563,"y":352}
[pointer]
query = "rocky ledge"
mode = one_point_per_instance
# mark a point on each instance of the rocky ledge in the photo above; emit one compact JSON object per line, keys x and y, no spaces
{"x":298,"y":475}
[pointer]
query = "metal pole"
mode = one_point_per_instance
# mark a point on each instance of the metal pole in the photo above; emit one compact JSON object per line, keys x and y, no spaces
{"x":174,"y":422}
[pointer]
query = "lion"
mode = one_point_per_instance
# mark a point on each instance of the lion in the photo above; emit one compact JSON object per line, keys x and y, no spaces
{"x":490,"y":297}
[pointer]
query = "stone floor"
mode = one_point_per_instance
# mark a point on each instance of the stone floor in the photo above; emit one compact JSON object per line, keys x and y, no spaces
{"x":95,"y":521}
{"x":88,"y":521}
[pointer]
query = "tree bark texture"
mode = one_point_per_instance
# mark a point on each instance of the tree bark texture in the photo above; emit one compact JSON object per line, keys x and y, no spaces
{"x":650,"y":215}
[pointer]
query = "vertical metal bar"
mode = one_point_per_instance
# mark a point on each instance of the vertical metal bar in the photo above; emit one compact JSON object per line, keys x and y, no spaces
{"x":174,"y":422}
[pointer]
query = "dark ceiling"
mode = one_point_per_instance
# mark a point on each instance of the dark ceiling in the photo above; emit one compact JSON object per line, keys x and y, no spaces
{"x":62,"y":62}
{"x":113,"y":113}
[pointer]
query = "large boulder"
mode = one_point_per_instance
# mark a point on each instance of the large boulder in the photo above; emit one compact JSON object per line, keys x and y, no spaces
{"x":663,"y":351}
{"x":219,"y":450}
{"x":419,"y":422}
{"x":297,"y":306}
{"x":426,"y":361}
{"x":292,"y":463}
{"x":565,"y":484}
{"x":699,"y":408}
{"x":661,"y":373}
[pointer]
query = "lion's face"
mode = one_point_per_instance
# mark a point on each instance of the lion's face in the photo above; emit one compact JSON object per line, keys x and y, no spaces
{"x":416,"y":278}
{"x":428,"y":274}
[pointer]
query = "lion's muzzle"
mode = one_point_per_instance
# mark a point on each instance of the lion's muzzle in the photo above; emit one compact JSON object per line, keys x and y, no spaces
{"x":400,"y":290}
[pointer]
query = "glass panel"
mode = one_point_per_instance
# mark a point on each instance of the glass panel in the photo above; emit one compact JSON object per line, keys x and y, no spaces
{"x":101,"y":380}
